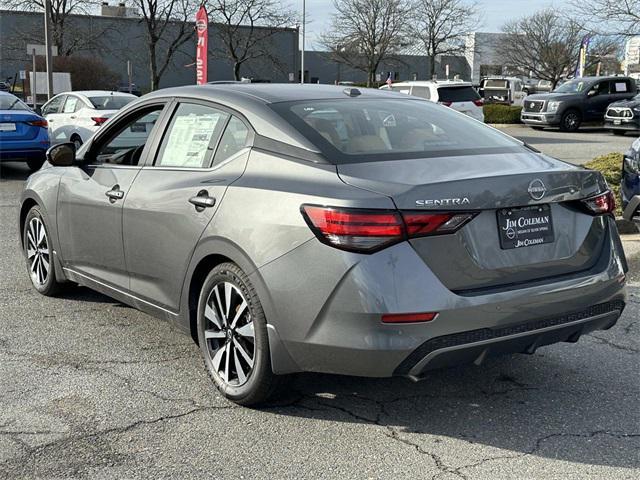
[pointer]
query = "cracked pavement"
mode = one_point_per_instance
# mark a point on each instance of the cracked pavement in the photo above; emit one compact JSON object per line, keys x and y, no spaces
{"x":93,"y":389}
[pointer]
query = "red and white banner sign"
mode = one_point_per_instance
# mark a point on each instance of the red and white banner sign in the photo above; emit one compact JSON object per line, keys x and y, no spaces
{"x":202,"y":23}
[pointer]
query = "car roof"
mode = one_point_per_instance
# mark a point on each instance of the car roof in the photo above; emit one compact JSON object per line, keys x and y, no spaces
{"x":85,"y":94}
{"x":252,"y":100}
{"x":432,"y":83}
{"x":269,"y":92}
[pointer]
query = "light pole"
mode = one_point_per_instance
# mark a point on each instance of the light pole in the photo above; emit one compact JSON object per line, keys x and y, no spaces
{"x":47,"y":44}
{"x":304,"y":14}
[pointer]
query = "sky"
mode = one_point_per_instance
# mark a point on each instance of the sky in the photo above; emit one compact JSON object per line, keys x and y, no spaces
{"x":495,"y":13}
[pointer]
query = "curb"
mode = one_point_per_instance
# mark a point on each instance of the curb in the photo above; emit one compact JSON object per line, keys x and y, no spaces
{"x":506,"y":125}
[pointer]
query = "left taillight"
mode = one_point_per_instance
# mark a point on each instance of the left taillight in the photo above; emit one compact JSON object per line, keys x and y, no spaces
{"x":39,"y":123}
{"x":479,"y":102}
{"x":601,"y":204}
{"x":366,"y":231}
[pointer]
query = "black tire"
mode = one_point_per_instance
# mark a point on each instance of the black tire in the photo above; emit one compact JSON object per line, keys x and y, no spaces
{"x":36,"y":262}
{"x":35,"y":164}
{"x":259,"y":383}
{"x":571,"y":120}
{"x":619,"y":132}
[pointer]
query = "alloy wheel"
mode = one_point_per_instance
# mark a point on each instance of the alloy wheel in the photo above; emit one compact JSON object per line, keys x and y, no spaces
{"x":571,"y":121}
{"x":38,"y":252}
{"x":229,"y":334}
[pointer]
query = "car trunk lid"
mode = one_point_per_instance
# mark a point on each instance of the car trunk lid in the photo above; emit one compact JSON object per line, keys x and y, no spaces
{"x":15,"y":126}
{"x":495,"y":187}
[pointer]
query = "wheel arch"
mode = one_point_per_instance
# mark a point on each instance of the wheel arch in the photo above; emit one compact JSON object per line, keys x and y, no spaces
{"x":210,"y":253}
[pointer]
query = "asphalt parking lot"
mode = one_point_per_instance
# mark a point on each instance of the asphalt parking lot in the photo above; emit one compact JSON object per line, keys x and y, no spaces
{"x":90,"y":388}
{"x":577,"y":148}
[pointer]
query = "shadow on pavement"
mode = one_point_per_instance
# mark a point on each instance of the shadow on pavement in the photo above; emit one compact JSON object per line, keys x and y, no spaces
{"x":527,"y":405}
{"x":14,"y":171}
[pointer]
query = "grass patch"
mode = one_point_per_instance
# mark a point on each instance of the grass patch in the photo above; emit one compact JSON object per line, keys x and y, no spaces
{"x":497,"y":113}
{"x":610,"y":165}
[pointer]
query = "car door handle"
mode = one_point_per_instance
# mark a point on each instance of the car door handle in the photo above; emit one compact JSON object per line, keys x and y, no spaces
{"x":202,"y":200}
{"x":72,"y":117}
{"x":115,"y":193}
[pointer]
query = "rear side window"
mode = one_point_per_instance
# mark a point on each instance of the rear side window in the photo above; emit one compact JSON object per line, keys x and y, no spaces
{"x":369,"y":129}
{"x":234,"y":139}
{"x":620,"y":86}
{"x":191,"y":137}
{"x":457,"y":94}
{"x":70,"y":104}
{"x":422,"y":92}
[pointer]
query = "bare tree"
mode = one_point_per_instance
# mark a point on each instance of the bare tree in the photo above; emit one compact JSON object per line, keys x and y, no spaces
{"x":617,"y":17}
{"x":441,"y":26}
{"x":168,"y":26}
{"x":67,"y":40}
{"x":548,"y":44}
{"x":246,"y":30}
{"x":363,"y":33}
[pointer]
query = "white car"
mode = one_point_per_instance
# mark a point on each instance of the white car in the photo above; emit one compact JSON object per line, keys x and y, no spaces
{"x":75,"y":116}
{"x":461,"y":96}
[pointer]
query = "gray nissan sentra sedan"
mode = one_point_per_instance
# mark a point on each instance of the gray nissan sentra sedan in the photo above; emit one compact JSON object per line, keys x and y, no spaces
{"x":293,"y":228}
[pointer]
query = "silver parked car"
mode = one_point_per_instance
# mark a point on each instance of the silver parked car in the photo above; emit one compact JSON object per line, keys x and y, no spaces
{"x":293,"y":228}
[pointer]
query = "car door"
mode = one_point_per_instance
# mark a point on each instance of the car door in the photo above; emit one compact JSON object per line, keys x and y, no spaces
{"x":51,"y":111}
{"x":598,"y":98}
{"x":90,"y":198}
{"x":175,"y":197}
{"x":65,"y":120}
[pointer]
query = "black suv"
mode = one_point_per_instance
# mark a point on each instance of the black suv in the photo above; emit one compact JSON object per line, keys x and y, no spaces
{"x":579,"y":100}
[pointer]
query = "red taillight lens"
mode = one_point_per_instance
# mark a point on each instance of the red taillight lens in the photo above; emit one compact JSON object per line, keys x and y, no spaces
{"x":408,"y":317}
{"x":446,"y":104}
{"x":39,"y":123}
{"x":601,"y":204}
{"x":479,"y":102}
{"x":370,"y":230}
{"x":358,"y":230}
{"x":99,"y":120}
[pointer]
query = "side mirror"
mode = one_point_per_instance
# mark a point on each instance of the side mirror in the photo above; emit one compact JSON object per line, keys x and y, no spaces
{"x":62,"y":155}
{"x":592,"y":93}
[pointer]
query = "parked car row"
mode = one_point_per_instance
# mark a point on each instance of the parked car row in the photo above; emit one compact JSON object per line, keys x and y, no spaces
{"x":612,"y":100}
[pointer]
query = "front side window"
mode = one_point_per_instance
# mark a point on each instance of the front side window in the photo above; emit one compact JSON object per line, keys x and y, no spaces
{"x":54,"y":105}
{"x":366,"y":129}
{"x":191,"y":136}
{"x":125,"y":145}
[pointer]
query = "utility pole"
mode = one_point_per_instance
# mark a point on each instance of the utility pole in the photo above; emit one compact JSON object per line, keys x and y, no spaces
{"x":47,"y":43}
{"x":33,"y":85}
{"x":304,"y":21}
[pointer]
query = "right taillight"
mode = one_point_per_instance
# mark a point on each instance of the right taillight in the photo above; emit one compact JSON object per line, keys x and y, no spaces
{"x":98,"y":121}
{"x":601,"y":204}
{"x":366,"y":231}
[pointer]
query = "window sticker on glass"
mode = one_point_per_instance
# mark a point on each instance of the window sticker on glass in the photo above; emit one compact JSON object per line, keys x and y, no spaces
{"x":189,"y":139}
{"x":621,"y":87}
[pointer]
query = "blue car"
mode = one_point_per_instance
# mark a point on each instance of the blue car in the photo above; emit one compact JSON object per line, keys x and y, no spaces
{"x":24,"y":136}
{"x":630,"y":187}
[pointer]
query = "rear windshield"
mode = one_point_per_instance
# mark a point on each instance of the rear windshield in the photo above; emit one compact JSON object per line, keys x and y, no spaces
{"x":9,"y":102}
{"x":457,"y":94}
{"x":111,"y":102}
{"x":369,"y":129}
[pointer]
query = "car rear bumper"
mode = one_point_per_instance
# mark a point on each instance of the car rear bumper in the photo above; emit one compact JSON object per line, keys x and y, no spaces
{"x":23,"y":154}
{"x":548,"y":119}
{"x":332,"y":327}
